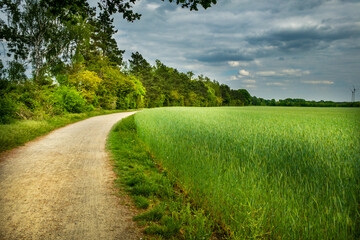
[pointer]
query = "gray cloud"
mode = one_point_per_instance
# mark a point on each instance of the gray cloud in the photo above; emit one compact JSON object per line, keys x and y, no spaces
{"x":308,"y":4}
{"x":306,"y":38}
{"x":222,"y":55}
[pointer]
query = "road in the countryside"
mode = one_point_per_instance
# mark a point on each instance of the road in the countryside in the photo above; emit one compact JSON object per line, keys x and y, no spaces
{"x":61,"y":187}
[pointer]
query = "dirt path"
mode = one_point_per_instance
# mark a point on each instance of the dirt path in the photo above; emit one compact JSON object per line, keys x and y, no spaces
{"x":61,"y":187}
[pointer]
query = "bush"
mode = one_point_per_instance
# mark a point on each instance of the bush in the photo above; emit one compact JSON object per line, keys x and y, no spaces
{"x":70,"y":100}
{"x":7,"y":110}
{"x":87,"y":83}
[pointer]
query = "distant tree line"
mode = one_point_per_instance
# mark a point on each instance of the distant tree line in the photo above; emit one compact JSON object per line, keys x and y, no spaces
{"x":298,"y":102}
{"x":166,"y":86}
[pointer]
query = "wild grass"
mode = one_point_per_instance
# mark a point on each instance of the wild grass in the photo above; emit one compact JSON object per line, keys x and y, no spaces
{"x":264,"y":172}
{"x":20,"y":132}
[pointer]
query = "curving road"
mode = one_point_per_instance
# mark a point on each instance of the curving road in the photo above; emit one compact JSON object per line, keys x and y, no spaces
{"x":61,"y":187}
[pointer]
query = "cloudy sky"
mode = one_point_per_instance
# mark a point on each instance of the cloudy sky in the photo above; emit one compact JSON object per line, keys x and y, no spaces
{"x":273,"y":48}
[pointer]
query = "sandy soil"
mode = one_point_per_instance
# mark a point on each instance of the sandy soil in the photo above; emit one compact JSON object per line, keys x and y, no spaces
{"x":61,"y":187}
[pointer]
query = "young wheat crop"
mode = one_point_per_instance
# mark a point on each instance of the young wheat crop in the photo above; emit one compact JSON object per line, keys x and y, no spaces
{"x":268,"y":172}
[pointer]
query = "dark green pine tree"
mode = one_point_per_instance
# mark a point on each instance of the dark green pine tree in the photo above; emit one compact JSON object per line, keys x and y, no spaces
{"x":104,"y":43}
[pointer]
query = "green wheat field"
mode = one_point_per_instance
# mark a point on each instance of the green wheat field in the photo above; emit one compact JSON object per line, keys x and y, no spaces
{"x":264,"y":172}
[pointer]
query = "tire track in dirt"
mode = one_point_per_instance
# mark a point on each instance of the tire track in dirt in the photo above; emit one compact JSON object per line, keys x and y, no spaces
{"x":61,"y":187}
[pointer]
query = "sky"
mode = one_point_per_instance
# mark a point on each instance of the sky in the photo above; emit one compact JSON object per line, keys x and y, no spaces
{"x":277,"y":49}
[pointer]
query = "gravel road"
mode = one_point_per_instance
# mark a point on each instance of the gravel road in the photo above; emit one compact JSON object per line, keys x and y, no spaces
{"x":61,"y":187}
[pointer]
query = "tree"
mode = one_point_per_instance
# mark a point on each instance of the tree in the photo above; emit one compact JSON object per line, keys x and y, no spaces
{"x":225,"y":94}
{"x":102,"y":36}
{"x":33,"y":34}
{"x":240,"y":97}
{"x":16,"y":72}
{"x":139,"y":66}
{"x":87,"y":83}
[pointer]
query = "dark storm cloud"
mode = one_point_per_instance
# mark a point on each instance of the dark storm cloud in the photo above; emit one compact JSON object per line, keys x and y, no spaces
{"x":222,"y":55}
{"x":351,"y":1}
{"x":308,"y":4}
{"x":304,"y":39}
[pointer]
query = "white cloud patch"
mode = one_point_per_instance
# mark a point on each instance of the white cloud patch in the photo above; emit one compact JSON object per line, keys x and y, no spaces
{"x":267,"y":73}
{"x":249,"y":86}
{"x":284,"y":72}
{"x":152,"y":6}
{"x":274,"y":84}
{"x":319,"y":82}
{"x":233,"y":78}
{"x":237,"y":63}
{"x":294,"y":72}
{"x":243,"y":73}
{"x":249,"y":81}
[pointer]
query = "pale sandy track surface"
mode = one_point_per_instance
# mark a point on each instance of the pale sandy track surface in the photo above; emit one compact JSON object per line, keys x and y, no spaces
{"x":61,"y":187}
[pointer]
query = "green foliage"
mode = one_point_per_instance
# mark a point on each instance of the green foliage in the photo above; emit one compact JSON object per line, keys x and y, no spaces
{"x":240,"y":97}
{"x":70,"y":100}
{"x":16,"y":72}
{"x":86,"y":82}
{"x":7,"y":110}
{"x":103,"y":41}
{"x":278,"y":173}
{"x":34,"y":102}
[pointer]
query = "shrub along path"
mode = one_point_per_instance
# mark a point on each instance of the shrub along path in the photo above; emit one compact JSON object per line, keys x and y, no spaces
{"x":61,"y":187}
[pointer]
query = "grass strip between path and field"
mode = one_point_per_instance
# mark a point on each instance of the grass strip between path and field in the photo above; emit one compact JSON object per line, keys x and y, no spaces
{"x":20,"y":132}
{"x":169,"y":213}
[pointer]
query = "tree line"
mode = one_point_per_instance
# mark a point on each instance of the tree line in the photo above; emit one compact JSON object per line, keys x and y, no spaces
{"x":298,"y":102}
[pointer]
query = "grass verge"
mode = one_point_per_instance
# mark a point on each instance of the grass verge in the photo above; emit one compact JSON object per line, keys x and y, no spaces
{"x":20,"y":132}
{"x":169,"y":213}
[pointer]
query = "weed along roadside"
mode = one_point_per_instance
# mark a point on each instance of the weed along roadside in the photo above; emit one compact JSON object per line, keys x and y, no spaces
{"x":168,"y":212}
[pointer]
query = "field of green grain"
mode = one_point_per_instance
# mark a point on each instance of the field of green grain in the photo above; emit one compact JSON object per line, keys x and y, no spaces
{"x":268,"y":172}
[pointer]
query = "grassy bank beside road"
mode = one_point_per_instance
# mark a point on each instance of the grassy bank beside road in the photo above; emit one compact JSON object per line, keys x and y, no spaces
{"x":265,"y":172}
{"x":20,"y":132}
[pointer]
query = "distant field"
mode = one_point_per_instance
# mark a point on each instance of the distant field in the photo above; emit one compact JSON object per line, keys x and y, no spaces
{"x":271,"y":172}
